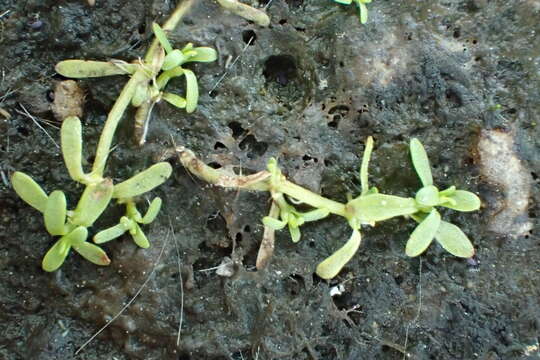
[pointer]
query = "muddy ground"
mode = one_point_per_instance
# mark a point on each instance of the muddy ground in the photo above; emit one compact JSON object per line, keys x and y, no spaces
{"x":309,"y":89}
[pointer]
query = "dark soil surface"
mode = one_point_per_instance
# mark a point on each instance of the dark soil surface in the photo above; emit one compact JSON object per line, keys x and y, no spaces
{"x":309,"y":90}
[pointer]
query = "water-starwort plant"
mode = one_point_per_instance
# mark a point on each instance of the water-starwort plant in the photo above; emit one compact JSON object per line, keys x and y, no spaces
{"x":368,"y":208}
{"x":72,"y":225}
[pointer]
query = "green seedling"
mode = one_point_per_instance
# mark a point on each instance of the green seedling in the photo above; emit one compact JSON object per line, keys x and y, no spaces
{"x":368,"y":208}
{"x":430,"y":227}
{"x":150,"y":77}
{"x":73,"y":225}
{"x":362,"y":8}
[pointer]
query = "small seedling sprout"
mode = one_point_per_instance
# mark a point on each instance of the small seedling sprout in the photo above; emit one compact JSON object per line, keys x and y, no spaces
{"x":362,"y":8}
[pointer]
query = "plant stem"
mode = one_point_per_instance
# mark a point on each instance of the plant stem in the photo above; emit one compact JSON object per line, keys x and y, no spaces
{"x":124,"y":99}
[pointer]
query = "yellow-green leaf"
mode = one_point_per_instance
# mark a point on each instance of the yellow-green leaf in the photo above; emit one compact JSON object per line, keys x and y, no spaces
{"x":379,"y":207}
{"x":423,"y":235}
{"x":144,"y":181}
{"x":421,"y":162}
{"x":29,"y":191}
{"x":463,"y":201}
{"x":152,"y":211}
{"x":71,"y":139}
{"x":140,"y":238}
{"x":192,"y":91}
{"x":55,"y":213}
{"x":332,"y":265}
{"x":79,"y":69}
{"x":92,"y":253}
{"x":55,"y":257}
{"x":93,"y":202}
{"x":453,"y":240}
{"x":204,"y":54}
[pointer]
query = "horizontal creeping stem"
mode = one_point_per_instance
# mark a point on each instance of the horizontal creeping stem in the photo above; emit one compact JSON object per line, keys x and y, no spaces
{"x":259,"y":181}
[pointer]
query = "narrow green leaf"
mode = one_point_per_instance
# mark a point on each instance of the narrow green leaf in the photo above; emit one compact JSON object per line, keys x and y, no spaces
{"x":174,"y":100}
{"x":80,"y":69}
{"x":166,"y":76}
{"x":344,"y":2}
{"x":421,"y":162}
{"x":93,"y":202}
{"x":173,"y":59}
{"x":192,"y":91}
{"x":144,"y":181}
{"x":365,"y":165}
{"x":162,"y":37}
{"x":332,"y":265}
{"x":71,"y":140}
{"x":453,"y":240}
{"x":447,"y":192}
{"x":363,"y":12}
{"x":423,"y":235}
{"x":140,"y":238}
{"x":29,"y":191}
{"x":273,"y":223}
{"x":315,"y":215}
{"x":55,"y":257}
{"x":464,"y":201}
{"x":203,"y":54}
{"x":92,"y":253}
{"x":294,"y":231}
{"x":55,"y":213}
{"x":428,"y":196}
{"x":152,"y":211}
{"x":110,"y":233}
{"x":379,"y":207}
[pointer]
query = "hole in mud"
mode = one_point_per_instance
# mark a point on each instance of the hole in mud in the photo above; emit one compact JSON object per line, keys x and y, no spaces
{"x":216,"y":222}
{"x":247,"y":228}
{"x":457,"y":33}
{"x":215,"y":165}
{"x":308,"y":158}
{"x":453,"y":98}
{"x":335,"y":121}
{"x":327,"y":162}
{"x":339,"y":109}
{"x":294,"y":284}
{"x":213,"y":94}
{"x":256,"y":147}
{"x":237,"y":129}
{"x":249,"y":37}
{"x":219,"y":145}
{"x":238,"y":237}
{"x":282,"y":21}
{"x":142,"y":28}
{"x":280,"y":68}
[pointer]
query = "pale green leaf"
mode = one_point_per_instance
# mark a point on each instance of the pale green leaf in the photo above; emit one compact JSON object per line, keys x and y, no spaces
{"x":463,"y":201}
{"x":93,"y":202}
{"x":344,"y":2}
{"x":332,"y":265}
{"x":144,"y":181}
{"x":363,"y":12}
{"x":365,"y":166}
{"x":92,"y":253}
{"x":453,"y":240}
{"x":174,"y":100}
{"x":273,"y":223}
{"x":162,"y":37}
{"x":173,"y":59}
{"x":29,"y":191}
{"x":110,"y":233}
{"x":166,"y":76}
{"x":140,"y":238}
{"x":421,"y":162}
{"x":315,"y":215}
{"x":379,"y":207}
{"x":152,"y":211}
{"x":428,"y":196}
{"x":80,"y":69}
{"x":203,"y":54}
{"x":55,"y":213}
{"x":55,"y":257}
{"x":71,"y":140}
{"x":423,"y":235}
{"x":141,"y":95}
{"x":294,"y":231}
{"x":192,"y":91}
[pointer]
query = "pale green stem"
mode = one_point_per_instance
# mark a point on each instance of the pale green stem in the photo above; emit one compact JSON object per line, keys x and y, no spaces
{"x":122,"y":102}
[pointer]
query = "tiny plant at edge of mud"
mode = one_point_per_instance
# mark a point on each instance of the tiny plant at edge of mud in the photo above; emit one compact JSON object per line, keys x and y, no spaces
{"x":362,"y":8}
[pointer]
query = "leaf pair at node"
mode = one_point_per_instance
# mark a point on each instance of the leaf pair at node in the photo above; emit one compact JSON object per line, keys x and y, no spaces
{"x":362,"y":8}
{"x":430,"y":227}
